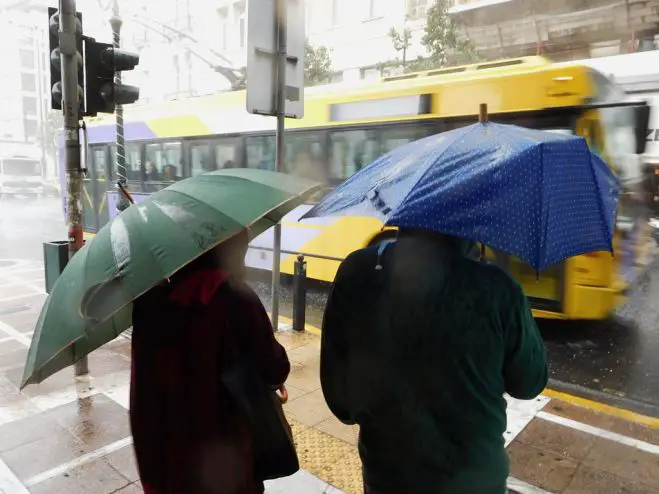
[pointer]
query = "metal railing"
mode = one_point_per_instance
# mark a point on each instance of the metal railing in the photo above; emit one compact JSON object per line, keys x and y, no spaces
{"x":300,"y":283}
{"x":303,"y":254}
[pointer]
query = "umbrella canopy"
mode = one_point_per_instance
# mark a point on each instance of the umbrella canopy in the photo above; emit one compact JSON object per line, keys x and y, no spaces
{"x":541,"y":196}
{"x":91,"y":302}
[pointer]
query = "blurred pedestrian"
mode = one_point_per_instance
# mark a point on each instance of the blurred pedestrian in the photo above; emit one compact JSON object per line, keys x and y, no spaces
{"x":420,"y":342}
{"x":190,"y":435}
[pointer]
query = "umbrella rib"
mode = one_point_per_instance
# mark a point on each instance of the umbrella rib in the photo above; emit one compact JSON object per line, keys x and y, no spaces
{"x":427,"y":170}
{"x":544,"y":218}
{"x":186,"y":194}
{"x":265,"y":215}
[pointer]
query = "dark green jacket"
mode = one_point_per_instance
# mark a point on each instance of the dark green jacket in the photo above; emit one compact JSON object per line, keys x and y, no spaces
{"x":419,"y":353}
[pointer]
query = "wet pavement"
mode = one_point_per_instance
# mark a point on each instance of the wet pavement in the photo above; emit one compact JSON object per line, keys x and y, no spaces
{"x":614,"y":360}
{"x":72,"y":435}
{"x":26,"y":223}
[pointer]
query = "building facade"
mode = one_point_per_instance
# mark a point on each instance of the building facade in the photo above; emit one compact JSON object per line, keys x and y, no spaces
{"x":185,"y":39}
{"x":24,"y":78}
{"x":189,"y":48}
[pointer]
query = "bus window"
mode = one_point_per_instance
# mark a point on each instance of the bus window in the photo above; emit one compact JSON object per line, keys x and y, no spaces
{"x":133,"y":161}
{"x":352,"y":150}
{"x":261,"y":152}
{"x":163,"y":162}
{"x":304,"y":156}
{"x":100,"y":163}
{"x":200,"y":159}
{"x":393,"y":138}
{"x":225,"y":153}
{"x":173,"y":169}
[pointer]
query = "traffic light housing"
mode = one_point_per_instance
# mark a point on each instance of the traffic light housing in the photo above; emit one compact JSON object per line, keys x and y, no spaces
{"x":102,"y":62}
{"x":56,"y":60}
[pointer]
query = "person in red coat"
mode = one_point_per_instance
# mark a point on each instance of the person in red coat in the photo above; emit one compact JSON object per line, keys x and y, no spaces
{"x":189,"y":435}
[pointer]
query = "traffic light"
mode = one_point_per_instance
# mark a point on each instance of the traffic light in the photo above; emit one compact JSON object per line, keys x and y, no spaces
{"x":102,"y":61}
{"x":56,"y":60}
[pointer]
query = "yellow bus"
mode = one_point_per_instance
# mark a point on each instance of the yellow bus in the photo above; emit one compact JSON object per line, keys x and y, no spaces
{"x":346,"y":127}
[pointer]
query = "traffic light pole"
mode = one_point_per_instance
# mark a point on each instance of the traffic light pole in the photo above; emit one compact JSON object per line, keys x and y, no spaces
{"x":115,"y":23}
{"x":68,"y":26}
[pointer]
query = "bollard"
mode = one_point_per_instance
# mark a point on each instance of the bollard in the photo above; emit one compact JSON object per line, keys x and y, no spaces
{"x":299,"y":293}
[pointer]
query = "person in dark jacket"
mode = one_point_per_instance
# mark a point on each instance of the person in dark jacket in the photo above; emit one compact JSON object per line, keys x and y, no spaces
{"x":419,"y":344}
{"x":189,"y":435}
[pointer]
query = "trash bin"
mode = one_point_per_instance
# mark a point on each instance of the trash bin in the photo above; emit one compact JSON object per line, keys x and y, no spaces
{"x":55,"y":258}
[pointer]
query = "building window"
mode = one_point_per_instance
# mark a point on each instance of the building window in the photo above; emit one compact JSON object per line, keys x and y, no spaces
{"x":31,"y":128}
{"x":336,"y":77}
{"x":416,"y":9}
{"x":188,"y":69}
{"x":370,"y":73}
{"x":335,"y":12}
{"x":176,"y":62}
{"x":30,"y":106}
{"x":28,"y":82}
{"x":223,"y":15}
{"x":240,"y":21}
{"x":26,"y":58}
{"x":375,"y":9}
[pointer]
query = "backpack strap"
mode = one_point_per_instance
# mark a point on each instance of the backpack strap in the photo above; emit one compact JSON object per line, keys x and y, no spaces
{"x":381,"y":248}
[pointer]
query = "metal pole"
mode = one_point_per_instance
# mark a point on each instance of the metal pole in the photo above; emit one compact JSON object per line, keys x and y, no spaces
{"x":279,"y":165}
{"x":42,"y":110}
{"x":69,"y":26}
{"x":115,"y":23}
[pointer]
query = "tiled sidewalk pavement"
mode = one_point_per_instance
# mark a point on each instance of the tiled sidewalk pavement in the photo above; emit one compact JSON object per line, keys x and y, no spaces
{"x":67,"y":436}
{"x":554,"y":444}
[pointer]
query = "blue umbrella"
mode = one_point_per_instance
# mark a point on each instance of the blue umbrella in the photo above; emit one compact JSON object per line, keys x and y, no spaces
{"x":541,"y":196}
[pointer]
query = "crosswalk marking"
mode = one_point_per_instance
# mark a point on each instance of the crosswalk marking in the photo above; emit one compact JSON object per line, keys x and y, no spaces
{"x":80,"y":460}
{"x":596,"y":431}
{"x":9,"y":483}
{"x":15,"y":334}
{"x":521,"y":487}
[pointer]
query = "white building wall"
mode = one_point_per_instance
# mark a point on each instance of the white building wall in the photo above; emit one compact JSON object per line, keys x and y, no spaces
{"x":356,"y":31}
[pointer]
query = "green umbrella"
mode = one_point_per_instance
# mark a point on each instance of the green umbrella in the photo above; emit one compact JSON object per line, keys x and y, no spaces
{"x":91,"y":302}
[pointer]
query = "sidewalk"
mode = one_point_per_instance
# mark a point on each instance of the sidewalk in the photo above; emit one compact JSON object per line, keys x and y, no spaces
{"x":557,"y":443}
{"x":72,"y":436}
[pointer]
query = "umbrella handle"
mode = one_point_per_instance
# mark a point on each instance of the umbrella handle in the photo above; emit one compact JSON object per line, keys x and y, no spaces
{"x":122,"y":188}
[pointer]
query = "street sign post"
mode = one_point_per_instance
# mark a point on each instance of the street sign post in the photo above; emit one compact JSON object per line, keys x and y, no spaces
{"x":275,"y":83}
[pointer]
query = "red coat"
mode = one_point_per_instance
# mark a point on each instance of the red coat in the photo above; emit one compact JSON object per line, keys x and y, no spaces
{"x":189,"y":436}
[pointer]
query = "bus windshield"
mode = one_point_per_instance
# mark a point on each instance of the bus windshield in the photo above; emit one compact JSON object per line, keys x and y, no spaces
{"x":619,"y":133}
{"x":20,"y":167}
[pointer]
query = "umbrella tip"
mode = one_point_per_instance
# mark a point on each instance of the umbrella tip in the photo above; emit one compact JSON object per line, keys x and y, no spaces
{"x":482,"y":114}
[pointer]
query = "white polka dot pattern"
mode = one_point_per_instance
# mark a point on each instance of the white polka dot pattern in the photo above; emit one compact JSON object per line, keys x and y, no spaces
{"x":540,"y":196}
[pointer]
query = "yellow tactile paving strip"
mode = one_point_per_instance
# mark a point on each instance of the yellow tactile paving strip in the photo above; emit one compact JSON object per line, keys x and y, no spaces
{"x":329,"y":458}
{"x":326,"y":447}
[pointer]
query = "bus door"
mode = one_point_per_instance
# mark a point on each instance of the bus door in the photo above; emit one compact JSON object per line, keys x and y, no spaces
{"x":95,"y":189}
